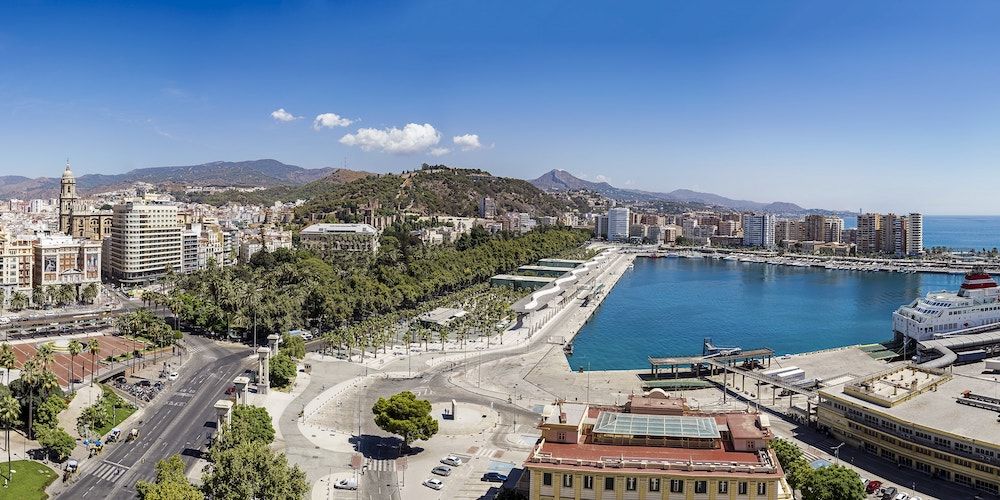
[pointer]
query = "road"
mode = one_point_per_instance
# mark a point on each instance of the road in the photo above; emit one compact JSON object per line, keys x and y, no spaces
{"x":178,"y":421}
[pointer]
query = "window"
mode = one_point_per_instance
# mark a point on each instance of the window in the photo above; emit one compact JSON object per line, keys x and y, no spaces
{"x":630,"y":483}
{"x":609,"y":483}
{"x":588,"y":482}
{"x":723,"y":486}
{"x":654,"y":484}
{"x":701,"y":486}
{"x":567,"y":480}
{"x":761,"y":488}
{"x":547,"y":478}
{"x":560,"y":436}
{"x":742,"y":488}
{"x":676,"y":486}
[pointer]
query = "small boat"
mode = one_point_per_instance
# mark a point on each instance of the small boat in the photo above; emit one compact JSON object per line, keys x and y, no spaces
{"x":568,"y":349}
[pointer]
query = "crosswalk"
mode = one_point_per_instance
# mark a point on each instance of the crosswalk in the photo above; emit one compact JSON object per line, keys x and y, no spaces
{"x":381,"y":465}
{"x":478,"y":452}
{"x":110,"y":471}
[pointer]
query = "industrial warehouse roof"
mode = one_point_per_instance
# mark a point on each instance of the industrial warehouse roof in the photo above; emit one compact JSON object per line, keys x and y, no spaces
{"x":634,"y":424}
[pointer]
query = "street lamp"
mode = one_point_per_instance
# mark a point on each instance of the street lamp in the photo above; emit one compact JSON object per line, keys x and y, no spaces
{"x":836,"y":451}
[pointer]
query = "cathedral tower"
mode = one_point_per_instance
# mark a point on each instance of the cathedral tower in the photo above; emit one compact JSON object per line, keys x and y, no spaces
{"x":67,"y":198}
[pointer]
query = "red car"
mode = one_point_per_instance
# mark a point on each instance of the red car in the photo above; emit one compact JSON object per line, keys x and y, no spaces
{"x":872,"y":486}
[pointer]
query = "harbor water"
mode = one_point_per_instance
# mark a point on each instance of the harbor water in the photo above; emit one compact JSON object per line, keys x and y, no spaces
{"x":667,"y":306}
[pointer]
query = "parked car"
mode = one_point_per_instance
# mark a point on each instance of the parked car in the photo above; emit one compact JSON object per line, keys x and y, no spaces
{"x":346,"y":484}
{"x":888,"y":493}
{"x":872,"y":486}
{"x":307,"y":336}
{"x":231,"y":390}
{"x":172,"y":376}
{"x":441,"y":470}
{"x":494,"y":477}
{"x":901,"y":496}
{"x":452,"y":460}
{"x":434,"y":484}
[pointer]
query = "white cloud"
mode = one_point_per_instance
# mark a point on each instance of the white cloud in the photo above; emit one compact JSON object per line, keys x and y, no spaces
{"x":440,"y":151}
{"x":283,"y":116}
{"x":468,"y":142}
{"x":600,"y":178}
{"x":412,"y":138}
{"x":330,"y":120}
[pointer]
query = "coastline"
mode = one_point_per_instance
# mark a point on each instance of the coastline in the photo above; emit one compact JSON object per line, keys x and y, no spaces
{"x":829,"y":262}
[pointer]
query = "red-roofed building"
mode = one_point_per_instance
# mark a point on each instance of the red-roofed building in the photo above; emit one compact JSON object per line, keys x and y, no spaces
{"x":654,"y":447}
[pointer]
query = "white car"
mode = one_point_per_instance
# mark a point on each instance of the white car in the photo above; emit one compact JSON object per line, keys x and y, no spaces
{"x":172,"y":376}
{"x":4,"y":320}
{"x":346,"y":484}
{"x":434,"y":484}
{"x":307,"y":336}
{"x":901,"y":496}
{"x":452,"y":460}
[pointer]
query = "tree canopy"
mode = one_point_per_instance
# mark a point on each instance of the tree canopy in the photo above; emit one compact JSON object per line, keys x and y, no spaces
{"x":405,"y":415}
{"x":250,"y":424}
{"x":282,"y":370}
{"x":833,"y":482}
{"x":251,"y":470}
{"x":170,"y":483}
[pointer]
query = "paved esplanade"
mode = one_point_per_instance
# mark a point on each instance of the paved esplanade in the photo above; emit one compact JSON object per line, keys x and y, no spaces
{"x":179,"y":421}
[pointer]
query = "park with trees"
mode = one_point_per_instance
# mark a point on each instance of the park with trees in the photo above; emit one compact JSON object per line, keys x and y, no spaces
{"x":357,"y":297}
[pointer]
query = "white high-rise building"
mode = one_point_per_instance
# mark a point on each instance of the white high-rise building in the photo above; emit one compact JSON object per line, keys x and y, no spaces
{"x":145,"y":243}
{"x":915,"y":234}
{"x":758,"y":230}
{"x":618,"y":224}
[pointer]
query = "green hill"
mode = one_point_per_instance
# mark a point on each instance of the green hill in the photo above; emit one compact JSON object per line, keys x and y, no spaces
{"x":436,"y":190}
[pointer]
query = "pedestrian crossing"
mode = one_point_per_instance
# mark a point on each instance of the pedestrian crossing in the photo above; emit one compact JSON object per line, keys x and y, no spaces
{"x":479,"y":452}
{"x":109,"y":471}
{"x":381,"y":465}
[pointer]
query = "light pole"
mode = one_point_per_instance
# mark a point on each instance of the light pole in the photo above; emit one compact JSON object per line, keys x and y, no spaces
{"x":836,"y":452}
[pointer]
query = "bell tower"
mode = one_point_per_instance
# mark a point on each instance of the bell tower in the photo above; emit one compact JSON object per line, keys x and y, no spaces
{"x":67,"y":198}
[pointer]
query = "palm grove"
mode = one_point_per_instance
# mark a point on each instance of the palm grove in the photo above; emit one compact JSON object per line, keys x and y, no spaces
{"x":355,"y":297}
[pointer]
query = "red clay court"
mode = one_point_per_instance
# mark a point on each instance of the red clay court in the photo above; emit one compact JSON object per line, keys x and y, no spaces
{"x":109,"y":346}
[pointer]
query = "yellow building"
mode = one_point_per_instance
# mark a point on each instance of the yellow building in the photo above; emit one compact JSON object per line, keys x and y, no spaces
{"x":652,"y":448}
{"x":941,"y":423}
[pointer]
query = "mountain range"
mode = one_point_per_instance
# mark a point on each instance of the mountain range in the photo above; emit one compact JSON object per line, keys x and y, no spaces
{"x":561,"y":180}
{"x":266,"y":173}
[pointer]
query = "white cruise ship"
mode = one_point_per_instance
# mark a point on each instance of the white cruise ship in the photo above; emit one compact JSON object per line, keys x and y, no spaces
{"x":977,"y":303}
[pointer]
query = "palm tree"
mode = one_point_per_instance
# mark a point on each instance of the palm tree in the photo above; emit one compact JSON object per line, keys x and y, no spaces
{"x":89,"y":293}
{"x":95,"y":348}
{"x":30,"y":376}
{"x":7,"y":359}
{"x":18,"y":301}
{"x":74,"y":348}
{"x":45,"y":356}
{"x":10,"y":410}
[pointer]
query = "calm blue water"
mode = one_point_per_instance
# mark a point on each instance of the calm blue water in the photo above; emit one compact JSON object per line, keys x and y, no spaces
{"x":666,"y":307}
{"x":966,"y":232}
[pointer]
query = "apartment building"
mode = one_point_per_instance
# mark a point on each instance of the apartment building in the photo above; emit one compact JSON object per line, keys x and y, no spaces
{"x":618,"y":224}
{"x":914,"y":234}
{"x":16,"y":266}
{"x":330,"y":240}
{"x":758,"y":230}
{"x":146,"y":242}
{"x":869,"y":233}
{"x":653,"y":447}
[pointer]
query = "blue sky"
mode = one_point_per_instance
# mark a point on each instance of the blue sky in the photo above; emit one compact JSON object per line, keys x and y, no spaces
{"x":847,"y":105}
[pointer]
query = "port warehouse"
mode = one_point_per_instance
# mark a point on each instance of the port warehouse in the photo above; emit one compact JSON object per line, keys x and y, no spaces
{"x":939,"y":421}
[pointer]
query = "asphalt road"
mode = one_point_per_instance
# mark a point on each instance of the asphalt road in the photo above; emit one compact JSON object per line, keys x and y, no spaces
{"x":180,"y":421}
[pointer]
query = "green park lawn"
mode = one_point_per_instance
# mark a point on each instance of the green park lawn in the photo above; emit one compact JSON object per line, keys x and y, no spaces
{"x":119,"y":415}
{"x":29,"y":482}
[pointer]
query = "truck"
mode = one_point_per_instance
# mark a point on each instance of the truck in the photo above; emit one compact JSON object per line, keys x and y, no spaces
{"x":993,"y":364}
